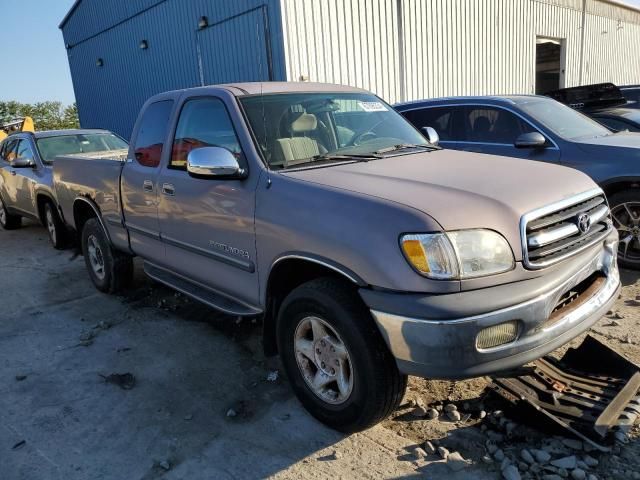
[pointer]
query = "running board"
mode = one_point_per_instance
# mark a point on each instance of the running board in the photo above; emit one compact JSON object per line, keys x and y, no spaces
{"x":592,"y":392}
{"x":209,"y":297}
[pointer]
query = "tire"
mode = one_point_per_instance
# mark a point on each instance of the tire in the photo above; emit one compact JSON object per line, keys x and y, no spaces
{"x":56,"y":229}
{"x":625,"y":210}
{"x":372,"y":386}
{"x":7,"y":220}
{"x":111,"y":271}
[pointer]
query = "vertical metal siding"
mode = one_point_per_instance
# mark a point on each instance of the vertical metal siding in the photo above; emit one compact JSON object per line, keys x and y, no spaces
{"x":455,"y":47}
{"x":110,"y":96}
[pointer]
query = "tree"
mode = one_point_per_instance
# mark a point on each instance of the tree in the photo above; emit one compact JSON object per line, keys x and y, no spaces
{"x":46,"y":115}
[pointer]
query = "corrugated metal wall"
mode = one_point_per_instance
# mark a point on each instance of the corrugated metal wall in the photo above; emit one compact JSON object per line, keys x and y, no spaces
{"x":111,"y":96}
{"x":455,"y":47}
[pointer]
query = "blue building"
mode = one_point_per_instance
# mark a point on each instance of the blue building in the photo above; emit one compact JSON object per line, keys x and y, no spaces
{"x":123,"y":51}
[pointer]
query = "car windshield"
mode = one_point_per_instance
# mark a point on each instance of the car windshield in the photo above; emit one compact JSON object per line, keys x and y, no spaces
{"x":51,"y":147}
{"x":564,"y":121}
{"x":302,"y":129}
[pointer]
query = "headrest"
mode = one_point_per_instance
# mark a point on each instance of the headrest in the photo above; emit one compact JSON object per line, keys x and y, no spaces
{"x":304,"y":123}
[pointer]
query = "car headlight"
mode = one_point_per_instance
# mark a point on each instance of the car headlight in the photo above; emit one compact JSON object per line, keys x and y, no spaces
{"x":458,"y":255}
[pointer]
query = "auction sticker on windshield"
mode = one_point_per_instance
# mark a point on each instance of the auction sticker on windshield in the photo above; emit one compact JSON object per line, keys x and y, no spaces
{"x":372,"y":107}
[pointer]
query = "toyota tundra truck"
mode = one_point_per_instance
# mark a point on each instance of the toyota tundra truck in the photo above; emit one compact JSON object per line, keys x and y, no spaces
{"x":368,"y":252}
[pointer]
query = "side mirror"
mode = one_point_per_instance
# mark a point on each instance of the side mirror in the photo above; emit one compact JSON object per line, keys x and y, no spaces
{"x":431,"y":135}
{"x":23,"y":162}
{"x":213,"y":162}
{"x":531,"y":140}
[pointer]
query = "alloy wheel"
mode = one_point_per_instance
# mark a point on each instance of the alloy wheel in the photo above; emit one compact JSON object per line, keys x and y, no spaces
{"x":3,"y":214}
{"x":51,"y":226}
{"x":626,"y":219}
{"x":323,"y":360}
{"x":96,"y":259}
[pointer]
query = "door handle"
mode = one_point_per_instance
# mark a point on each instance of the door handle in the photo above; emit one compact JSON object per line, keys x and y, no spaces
{"x":168,"y":189}
{"x":147,"y":186}
{"x":13,"y":172}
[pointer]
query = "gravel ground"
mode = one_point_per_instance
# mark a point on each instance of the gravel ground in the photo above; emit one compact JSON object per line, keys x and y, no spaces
{"x":205,"y":403}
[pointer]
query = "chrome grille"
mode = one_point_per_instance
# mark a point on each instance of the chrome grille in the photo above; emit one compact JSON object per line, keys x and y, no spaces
{"x":558,"y":231}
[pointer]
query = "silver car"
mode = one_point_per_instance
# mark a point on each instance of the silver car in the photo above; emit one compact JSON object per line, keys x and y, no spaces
{"x":26,"y":181}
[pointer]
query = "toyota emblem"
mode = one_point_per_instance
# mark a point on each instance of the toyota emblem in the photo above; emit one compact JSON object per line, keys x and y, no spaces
{"x":584,"y":223}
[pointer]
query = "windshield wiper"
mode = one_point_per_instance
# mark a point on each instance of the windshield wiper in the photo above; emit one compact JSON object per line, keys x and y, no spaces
{"x":404,"y":146}
{"x":359,"y":157}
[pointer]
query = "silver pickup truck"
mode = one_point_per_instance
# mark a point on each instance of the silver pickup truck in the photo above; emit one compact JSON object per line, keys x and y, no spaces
{"x":369,"y":252}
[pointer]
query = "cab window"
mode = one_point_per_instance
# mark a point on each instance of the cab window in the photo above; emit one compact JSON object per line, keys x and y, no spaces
{"x":203,"y":122}
{"x":9,"y":150}
{"x":152,"y":133}
{"x":494,"y":125}
{"x":25,"y":151}
{"x":442,"y":119}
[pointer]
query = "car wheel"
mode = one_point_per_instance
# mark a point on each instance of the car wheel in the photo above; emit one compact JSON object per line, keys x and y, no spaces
{"x":335,"y":358}
{"x":110,"y":270}
{"x":56,"y":229}
{"x":625,"y":211}
{"x":7,"y":220}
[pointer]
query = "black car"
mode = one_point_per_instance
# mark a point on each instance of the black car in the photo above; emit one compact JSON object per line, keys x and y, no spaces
{"x":538,"y":128}
{"x":614,"y":107}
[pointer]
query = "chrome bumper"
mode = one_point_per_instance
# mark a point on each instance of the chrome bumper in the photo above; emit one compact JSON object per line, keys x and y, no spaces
{"x":447,"y":348}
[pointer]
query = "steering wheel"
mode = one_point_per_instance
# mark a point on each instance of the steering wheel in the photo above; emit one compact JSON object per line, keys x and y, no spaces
{"x":361,"y":137}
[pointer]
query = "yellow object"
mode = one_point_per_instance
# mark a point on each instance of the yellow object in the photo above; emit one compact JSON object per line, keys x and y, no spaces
{"x":415,"y":253}
{"x":22,"y":125}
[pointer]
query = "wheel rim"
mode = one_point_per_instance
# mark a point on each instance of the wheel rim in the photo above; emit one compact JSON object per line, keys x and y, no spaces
{"x":3,"y":214}
{"x":323,"y":360}
{"x":626,"y":218}
{"x":51,"y":226}
{"x":96,"y":259}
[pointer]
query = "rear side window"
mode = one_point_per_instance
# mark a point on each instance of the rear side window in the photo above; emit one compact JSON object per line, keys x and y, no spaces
{"x":494,"y":125}
{"x":152,"y":133}
{"x":204,"y":122}
{"x":442,"y":119}
{"x":9,"y":150}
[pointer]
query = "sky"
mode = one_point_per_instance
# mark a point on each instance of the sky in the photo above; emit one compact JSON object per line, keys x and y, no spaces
{"x":32,"y":44}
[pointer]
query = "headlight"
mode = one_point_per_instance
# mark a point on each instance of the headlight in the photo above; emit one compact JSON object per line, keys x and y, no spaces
{"x":458,"y":255}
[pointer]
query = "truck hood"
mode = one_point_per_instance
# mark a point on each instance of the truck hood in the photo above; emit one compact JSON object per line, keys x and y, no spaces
{"x":459,"y":190}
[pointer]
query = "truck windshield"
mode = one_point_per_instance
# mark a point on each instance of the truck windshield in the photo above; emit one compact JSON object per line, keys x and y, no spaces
{"x":51,"y":147}
{"x":298,"y":129}
{"x":564,"y":121}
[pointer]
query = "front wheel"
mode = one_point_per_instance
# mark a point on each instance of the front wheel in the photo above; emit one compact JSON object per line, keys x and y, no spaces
{"x":8,"y":221}
{"x":335,"y":358}
{"x":110,"y":270}
{"x":625,"y":211}
{"x":56,"y":229}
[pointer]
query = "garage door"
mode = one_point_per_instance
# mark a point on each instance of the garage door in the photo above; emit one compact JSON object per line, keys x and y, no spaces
{"x":236,"y":49}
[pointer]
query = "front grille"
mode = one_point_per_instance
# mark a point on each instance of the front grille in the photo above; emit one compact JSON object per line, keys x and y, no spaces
{"x":558,"y":231}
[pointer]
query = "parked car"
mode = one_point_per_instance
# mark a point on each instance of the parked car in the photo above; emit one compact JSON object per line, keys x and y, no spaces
{"x":26,"y":180}
{"x":369,"y":253}
{"x":539,"y":128}
{"x":632,"y":94}
{"x":604,"y":102}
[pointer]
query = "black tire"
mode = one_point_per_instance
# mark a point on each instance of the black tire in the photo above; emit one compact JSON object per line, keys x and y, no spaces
{"x":58,"y":234}
{"x":378,"y":386}
{"x":630,"y":231}
{"x":7,"y":220}
{"x":117,"y":267}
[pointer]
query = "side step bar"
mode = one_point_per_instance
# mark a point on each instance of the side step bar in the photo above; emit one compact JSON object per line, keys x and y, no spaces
{"x":200,"y":293}
{"x":592,"y":391}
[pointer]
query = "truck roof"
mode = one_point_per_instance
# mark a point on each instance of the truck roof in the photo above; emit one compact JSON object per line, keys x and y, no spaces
{"x":60,"y":133}
{"x":256,"y":88}
{"x":492,"y":99}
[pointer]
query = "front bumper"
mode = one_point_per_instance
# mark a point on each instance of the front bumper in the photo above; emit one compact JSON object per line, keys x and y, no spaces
{"x":446,"y":348}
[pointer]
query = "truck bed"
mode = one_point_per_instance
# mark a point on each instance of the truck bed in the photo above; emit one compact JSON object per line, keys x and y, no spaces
{"x":95,"y":177}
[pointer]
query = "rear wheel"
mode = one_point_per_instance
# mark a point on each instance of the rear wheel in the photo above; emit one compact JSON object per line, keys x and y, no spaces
{"x":110,"y":270}
{"x":625,"y":211}
{"x":7,"y":220}
{"x":56,"y":229}
{"x":335,"y":358}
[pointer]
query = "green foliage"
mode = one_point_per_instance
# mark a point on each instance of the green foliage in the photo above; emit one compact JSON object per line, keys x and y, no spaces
{"x":46,"y":115}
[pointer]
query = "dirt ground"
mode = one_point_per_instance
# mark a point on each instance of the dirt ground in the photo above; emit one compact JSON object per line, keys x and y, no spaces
{"x":205,"y":402}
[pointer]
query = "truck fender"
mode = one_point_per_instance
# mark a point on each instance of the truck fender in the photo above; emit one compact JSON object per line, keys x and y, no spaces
{"x":96,"y":211}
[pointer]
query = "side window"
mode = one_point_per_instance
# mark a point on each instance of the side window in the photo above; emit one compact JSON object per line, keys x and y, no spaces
{"x":9,"y":150}
{"x":442,"y":119}
{"x":616,"y":125}
{"x":152,"y":133}
{"x":494,"y":125}
{"x":25,"y":151}
{"x":203,"y":122}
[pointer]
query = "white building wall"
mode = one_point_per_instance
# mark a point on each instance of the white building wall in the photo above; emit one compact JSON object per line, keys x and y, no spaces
{"x":411,"y":49}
